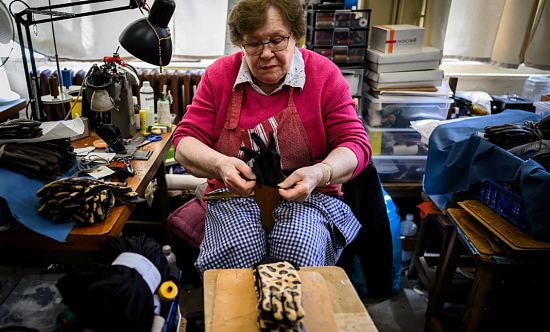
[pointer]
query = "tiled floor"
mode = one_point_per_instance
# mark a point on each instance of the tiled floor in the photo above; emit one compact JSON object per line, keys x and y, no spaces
{"x":403,"y":312}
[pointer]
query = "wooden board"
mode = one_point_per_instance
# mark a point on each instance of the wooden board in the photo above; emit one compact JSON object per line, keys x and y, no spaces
{"x":504,"y":230}
{"x":475,"y":232}
{"x":235,"y":302}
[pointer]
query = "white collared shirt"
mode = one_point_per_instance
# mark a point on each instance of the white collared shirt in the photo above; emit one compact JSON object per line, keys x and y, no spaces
{"x":296,"y":76}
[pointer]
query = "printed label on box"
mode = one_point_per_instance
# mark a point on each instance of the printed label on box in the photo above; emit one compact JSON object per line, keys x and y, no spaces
{"x":397,"y":38}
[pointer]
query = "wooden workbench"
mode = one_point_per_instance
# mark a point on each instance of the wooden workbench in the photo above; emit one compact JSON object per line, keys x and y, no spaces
{"x":21,"y":245}
{"x":349,"y":312}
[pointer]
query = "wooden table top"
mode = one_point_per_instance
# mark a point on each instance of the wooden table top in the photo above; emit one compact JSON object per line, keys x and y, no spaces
{"x":349,"y":312}
{"x":91,"y":238}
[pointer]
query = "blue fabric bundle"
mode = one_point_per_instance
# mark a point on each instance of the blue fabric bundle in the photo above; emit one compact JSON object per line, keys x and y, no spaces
{"x":458,"y":158}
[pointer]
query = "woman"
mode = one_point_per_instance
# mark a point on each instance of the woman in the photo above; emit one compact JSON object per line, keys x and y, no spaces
{"x":270,"y":87}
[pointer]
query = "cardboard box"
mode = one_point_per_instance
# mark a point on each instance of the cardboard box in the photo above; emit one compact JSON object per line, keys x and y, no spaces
{"x":401,"y":38}
{"x":428,"y":58}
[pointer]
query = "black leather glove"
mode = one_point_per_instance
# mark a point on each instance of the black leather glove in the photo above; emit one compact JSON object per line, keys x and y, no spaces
{"x":267,"y":161}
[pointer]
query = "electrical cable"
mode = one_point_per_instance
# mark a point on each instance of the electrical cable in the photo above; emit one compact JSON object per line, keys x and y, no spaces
{"x":55,"y":50}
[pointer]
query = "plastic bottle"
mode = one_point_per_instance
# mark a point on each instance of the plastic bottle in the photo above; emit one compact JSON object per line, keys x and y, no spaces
{"x":393,"y":217}
{"x":147,"y":97}
{"x":170,"y":256}
{"x":407,"y":227}
{"x":163,"y":109}
{"x":142,"y":121}
{"x":137,"y":108}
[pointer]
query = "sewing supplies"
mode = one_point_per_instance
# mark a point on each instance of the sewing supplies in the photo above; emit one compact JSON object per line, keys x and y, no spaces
{"x":150,"y":139}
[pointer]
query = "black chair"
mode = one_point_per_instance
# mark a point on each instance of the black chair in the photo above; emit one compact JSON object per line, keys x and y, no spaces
{"x":373,"y":245}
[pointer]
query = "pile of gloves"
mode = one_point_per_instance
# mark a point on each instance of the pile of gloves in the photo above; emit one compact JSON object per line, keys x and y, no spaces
{"x":530,"y":140}
{"x":82,"y":200}
{"x":279,"y":291}
{"x":20,"y":128}
{"x":44,"y":160}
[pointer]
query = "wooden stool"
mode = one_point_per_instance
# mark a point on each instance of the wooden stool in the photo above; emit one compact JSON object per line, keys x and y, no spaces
{"x":492,"y":242}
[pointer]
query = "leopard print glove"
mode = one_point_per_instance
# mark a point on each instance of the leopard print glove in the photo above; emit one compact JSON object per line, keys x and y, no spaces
{"x":279,"y":290}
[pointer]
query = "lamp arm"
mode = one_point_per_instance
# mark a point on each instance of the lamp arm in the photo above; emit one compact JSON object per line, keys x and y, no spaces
{"x":26,"y":18}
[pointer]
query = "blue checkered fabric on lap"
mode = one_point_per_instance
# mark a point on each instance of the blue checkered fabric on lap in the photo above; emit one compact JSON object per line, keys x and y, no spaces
{"x":311,"y":233}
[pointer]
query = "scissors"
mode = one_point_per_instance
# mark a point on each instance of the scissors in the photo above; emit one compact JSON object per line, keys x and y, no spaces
{"x":150,"y":139}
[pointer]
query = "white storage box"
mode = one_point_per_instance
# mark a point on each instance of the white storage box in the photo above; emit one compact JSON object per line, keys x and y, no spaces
{"x":401,"y":38}
{"x":400,"y":168}
{"x":396,"y":141}
{"x":426,"y":59}
{"x":417,"y":78}
{"x":399,"y":111}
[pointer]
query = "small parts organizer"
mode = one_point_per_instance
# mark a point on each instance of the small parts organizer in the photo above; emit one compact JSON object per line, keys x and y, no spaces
{"x":341,"y":35}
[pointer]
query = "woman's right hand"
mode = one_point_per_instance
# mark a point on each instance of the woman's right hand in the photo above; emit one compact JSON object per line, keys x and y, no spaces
{"x":237,"y":175}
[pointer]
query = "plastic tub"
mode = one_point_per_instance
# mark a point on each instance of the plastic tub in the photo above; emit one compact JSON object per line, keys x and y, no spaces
{"x":398,"y":112}
{"x":535,"y":87}
{"x":400,"y":168}
{"x":400,"y":141}
{"x":542,"y":108}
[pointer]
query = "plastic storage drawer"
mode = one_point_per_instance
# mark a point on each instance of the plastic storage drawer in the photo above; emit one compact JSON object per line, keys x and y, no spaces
{"x":397,"y":112}
{"x":400,"y":168}
{"x":401,"y":141}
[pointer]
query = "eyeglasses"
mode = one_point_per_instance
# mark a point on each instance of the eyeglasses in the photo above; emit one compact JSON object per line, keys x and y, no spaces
{"x":275,"y":44}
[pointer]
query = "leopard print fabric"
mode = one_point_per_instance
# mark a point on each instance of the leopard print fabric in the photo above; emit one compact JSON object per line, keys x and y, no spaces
{"x":279,"y":291}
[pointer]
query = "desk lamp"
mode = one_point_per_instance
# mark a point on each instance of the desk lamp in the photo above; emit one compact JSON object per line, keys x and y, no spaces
{"x":147,"y":39}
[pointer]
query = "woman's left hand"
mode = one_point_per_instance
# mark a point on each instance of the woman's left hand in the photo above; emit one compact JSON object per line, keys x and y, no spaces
{"x":301,"y":183}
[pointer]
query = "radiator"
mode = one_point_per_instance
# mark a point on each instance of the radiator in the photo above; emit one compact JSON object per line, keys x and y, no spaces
{"x":182,"y":85}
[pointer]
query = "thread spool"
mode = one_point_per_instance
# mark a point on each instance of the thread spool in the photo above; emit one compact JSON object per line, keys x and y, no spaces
{"x":67,"y":77}
{"x":54,"y":88}
{"x":167,"y":291}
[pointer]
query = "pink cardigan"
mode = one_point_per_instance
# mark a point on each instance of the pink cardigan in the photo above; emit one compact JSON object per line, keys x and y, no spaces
{"x":324,"y":105}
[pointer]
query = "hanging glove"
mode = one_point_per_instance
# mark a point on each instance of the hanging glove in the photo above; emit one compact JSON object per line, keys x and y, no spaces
{"x":267,"y":161}
{"x":267,"y":168}
{"x":279,"y":291}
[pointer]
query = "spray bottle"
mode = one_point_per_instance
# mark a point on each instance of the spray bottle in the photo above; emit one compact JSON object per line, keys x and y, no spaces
{"x":163,"y":109}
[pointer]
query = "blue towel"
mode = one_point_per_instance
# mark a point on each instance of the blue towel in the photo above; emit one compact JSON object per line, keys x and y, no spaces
{"x":20,"y":193}
{"x":458,"y":157}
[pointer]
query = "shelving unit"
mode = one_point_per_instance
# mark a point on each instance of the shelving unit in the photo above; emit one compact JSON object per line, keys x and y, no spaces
{"x":339,"y":34}
{"x":342,"y":36}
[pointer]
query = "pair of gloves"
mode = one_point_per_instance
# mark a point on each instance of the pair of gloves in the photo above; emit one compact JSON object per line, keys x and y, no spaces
{"x":279,"y":291}
{"x":82,"y":200}
{"x":43,"y":160}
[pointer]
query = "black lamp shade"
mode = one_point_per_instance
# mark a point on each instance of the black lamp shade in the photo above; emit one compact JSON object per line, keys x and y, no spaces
{"x":140,"y":40}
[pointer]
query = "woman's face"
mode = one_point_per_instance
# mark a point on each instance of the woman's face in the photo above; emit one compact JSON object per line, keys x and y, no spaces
{"x":270,"y":67}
